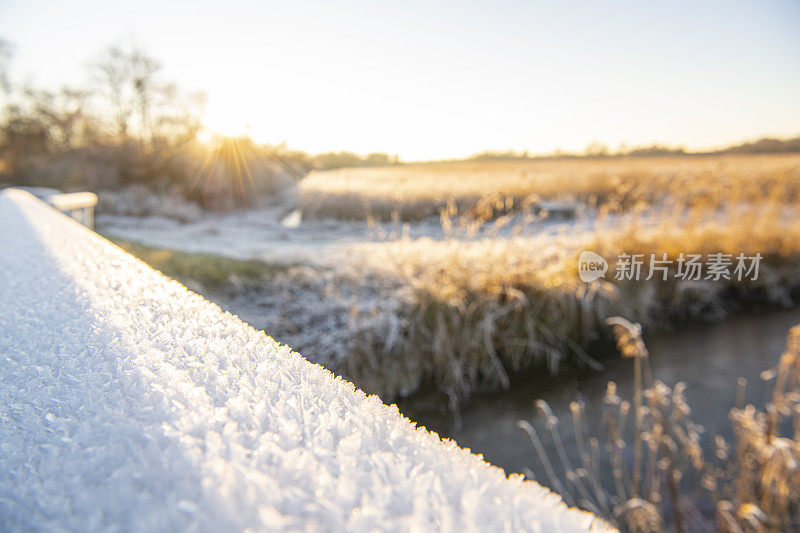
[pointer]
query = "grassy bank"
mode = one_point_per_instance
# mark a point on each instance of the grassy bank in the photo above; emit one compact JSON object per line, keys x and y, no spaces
{"x":476,"y":312}
{"x":200,"y":271}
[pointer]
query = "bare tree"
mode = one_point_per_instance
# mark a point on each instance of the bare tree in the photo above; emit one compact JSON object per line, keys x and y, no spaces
{"x":113,"y":73}
{"x":63,"y":114}
{"x":130,"y":84}
{"x":143,"y":70}
{"x":6,"y":53}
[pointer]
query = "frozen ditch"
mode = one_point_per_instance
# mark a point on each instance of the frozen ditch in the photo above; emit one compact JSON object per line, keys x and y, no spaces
{"x":130,"y":403}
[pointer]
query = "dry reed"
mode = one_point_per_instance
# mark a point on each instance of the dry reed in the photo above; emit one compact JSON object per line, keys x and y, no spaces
{"x":753,"y":485}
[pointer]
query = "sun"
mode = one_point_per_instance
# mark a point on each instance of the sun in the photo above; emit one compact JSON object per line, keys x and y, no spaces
{"x":213,"y":132}
{"x":226,"y":129}
{"x":233,"y":119}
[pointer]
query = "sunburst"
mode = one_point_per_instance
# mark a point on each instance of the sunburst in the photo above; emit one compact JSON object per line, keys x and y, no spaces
{"x":227,"y":163}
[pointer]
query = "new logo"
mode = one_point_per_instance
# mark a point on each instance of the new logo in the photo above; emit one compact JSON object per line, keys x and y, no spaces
{"x":591,"y":266}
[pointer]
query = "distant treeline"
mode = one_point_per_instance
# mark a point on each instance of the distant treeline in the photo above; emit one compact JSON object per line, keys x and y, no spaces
{"x":330,"y":160}
{"x":765,"y":146}
{"x":761,"y":146}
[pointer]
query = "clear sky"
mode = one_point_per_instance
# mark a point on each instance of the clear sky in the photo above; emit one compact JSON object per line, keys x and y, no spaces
{"x":441,"y":79}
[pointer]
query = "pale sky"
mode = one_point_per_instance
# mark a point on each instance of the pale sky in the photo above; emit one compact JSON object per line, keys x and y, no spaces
{"x":440,"y":79}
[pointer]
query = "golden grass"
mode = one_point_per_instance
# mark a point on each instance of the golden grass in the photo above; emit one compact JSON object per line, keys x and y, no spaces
{"x":476,"y":310}
{"x":415,"y":191}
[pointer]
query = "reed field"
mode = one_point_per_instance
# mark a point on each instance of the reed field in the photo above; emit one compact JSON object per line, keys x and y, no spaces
{"x":478,"y":309}
{"x":415,"y":191}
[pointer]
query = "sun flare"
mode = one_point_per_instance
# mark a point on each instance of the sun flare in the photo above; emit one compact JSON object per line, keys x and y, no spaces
{"x":229,"y":120}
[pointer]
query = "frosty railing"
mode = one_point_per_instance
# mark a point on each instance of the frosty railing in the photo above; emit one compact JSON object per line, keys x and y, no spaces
{"x":130,"y":403}
{"x":78,"y":205}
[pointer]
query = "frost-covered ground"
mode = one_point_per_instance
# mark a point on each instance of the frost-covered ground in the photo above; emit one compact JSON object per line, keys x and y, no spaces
{"x":263,"y":234}
{"x":254,"y":234}
{"x":130,"y":403}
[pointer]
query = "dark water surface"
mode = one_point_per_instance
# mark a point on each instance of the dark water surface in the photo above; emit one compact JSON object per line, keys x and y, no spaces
{"x":708,"y":357}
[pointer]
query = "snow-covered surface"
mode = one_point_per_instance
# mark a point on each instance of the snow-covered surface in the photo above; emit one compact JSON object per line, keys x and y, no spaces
{"x":130,"y":403}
